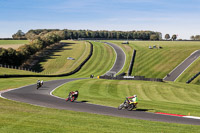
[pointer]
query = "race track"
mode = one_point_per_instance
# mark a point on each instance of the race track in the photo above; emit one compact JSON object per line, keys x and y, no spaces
{"x":42,"y":97}
{"x":29,"y":94}
{"x":174,"y":74}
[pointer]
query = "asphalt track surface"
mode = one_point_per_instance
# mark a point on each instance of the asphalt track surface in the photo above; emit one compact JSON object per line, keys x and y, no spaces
{"x":120,"y":59}
{"x":174,"y":74}
{"x":42,"y":97}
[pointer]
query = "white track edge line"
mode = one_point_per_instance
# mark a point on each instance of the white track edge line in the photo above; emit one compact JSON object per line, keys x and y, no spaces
{"x":192,"y":117}
{"x":115,"y":58}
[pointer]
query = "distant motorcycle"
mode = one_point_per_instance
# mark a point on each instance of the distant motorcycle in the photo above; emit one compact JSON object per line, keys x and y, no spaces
{"x":72,"y":96}
{"x":38,"y":85}
{"x":127,"y":105}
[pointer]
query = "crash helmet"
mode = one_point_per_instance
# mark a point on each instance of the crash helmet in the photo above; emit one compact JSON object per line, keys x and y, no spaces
{"x":135,"y":95}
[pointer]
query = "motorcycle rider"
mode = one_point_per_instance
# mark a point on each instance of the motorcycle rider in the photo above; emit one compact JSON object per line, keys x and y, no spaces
{"x":133,"y":99}
{"x":71,"y":94}
{"x":39,"y":83}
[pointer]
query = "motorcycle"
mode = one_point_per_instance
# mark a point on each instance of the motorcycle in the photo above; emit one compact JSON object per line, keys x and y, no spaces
{"x":72,"y":96}
{"x":38,"y":85}
{"x":127,"y":105}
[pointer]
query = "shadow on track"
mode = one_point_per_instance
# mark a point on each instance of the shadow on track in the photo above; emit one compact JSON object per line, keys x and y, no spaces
{"x":143,"y":110}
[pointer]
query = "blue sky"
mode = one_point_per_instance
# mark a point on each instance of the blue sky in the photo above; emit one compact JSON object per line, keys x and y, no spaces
{"x":166,"y":16}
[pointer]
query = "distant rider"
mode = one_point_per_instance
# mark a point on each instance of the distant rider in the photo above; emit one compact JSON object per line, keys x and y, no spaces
{"x":72,"y":93}
{"x":41,"y":82}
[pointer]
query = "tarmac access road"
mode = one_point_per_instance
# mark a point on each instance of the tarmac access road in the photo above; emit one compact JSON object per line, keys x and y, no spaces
{"x":174,"y":74}
{"x":42,"y":97}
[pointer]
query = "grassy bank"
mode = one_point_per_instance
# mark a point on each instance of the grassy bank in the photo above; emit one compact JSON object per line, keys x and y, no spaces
{"x":190,"y":72}
{"x":157,"y":63}
{"x":101,"y":61}
{"x":14,"y":71}
{"x":169,"y":97}
{"x":58,"y":63}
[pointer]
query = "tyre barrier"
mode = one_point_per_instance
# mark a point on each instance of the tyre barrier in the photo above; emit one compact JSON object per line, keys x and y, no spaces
{"x":131,"y":78}
{"x":131,"y":63}
{"x":190,"y":80}
{"x":59,"y":75}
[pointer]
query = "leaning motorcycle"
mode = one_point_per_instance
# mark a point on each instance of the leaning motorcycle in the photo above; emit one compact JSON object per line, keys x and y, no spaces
{"x":127,"y":105}
{"x":71,"y":97}
{"x":38,"y":85}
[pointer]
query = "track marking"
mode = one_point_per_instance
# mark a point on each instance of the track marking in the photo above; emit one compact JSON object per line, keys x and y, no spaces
{"x":184,"y":116}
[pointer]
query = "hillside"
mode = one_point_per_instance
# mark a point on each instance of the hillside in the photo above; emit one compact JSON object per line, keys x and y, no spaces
{"x":157,"y":63}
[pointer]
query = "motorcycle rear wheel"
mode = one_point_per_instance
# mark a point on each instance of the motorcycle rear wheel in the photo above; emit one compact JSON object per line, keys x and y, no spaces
{"x":130,"y":107}
{"x":72,"y":99}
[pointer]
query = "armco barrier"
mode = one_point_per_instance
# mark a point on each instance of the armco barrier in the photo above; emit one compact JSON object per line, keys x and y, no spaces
{"x":131,"y":63}
{"x":190,"y":80}
{"x":131,"y":78}
{"x":59,"y":75}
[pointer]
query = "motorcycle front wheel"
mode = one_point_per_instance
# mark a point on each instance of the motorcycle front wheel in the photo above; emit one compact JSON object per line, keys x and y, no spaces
{"x":120,"y":106}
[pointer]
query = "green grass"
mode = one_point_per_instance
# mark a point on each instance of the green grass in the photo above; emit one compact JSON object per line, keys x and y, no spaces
{"x":169,"y":97}
{"x":58,"y":63}
{"x":9,"y":83}
{"x":22,"y":118}
{"x":196,"y":80}
{"x":7,"y":42}
{"x":14,"y":71}
{"x":157,"y":63}
{"x":12,"y":43}
{"x":101,"y":61}
{"x":190,"y":72}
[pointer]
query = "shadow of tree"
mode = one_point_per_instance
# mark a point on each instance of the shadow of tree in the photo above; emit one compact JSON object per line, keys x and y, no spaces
{"x":49,"y":54}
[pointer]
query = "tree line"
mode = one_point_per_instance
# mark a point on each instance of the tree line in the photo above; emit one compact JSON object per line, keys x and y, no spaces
{"x":16,"y":57}
{"x":167,"y":37}
{"x":103,"y":34}
{"x":41,"y":38}
{"x":196,"y":37}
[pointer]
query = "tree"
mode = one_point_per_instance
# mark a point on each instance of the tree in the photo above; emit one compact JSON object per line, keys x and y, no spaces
{"x":167,"y":36}
{"x":154,"y":37}
{"x":197,"y":37}
{"x":192,"y":38}
{"x":174,"y":37}
{"x":19,"y":35}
